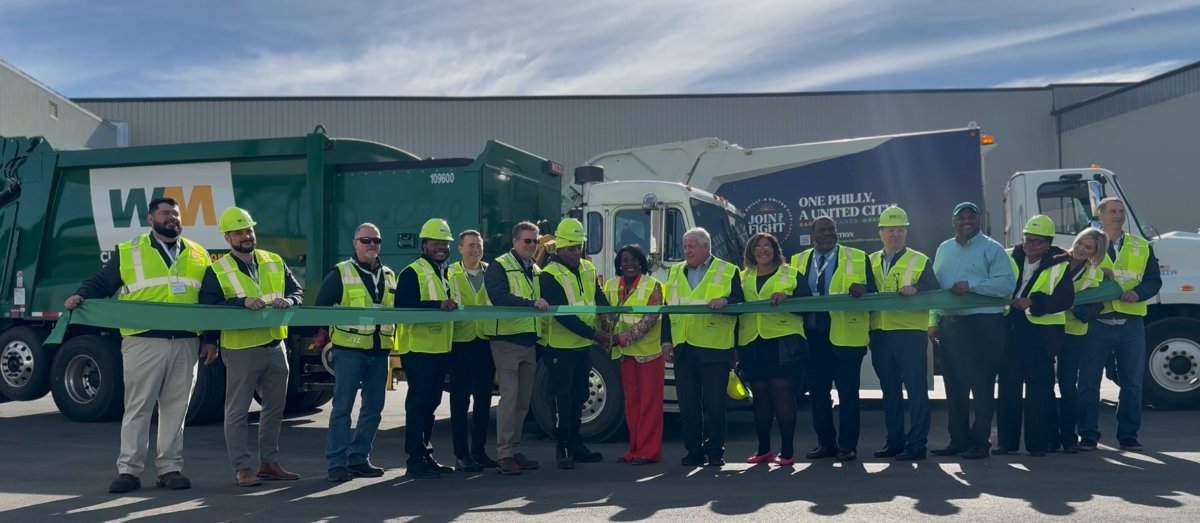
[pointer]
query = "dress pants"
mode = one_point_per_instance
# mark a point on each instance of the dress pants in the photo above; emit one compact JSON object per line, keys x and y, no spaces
{"x":701,"y":376}
{"x":426,"y":374}
{"x":971,"y":349}
{"x":568,"y":371}
{"x":516,"y":366}
{"x":1026,"y":365}
{"x":156,"y":371}
{"x":830,"y":366}
{"x":262,"y":369}
{"x":1067,"y":369}
{"x":643,"y":387}
{"x":901,"y":361}
{"x":472,"y":373}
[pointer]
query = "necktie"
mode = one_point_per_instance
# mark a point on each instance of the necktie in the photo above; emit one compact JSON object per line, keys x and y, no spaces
{"x":821,"y":276}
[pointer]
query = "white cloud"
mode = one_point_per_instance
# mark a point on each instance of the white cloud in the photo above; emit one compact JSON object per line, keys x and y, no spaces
{"x":1128,"y":73}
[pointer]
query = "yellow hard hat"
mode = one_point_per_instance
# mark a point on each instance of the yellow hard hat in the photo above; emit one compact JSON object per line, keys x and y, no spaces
{"x":893,"y":217}
{"x":436,"y":229}
{"x":1040,"y":225}
{"x":235,"y":219}
{"x":569,"y":233}
{"x":735,"y":388}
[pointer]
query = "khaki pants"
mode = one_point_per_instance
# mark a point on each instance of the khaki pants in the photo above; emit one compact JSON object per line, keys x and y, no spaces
{"x":156,"y":371}
{"x":263,"y":369}
{"x":515,"y":368}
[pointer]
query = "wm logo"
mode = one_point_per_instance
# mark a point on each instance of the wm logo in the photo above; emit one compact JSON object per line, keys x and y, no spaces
{"x":136,"y":204}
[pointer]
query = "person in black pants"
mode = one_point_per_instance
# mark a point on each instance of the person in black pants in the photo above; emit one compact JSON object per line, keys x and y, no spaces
{"x":472,"y":369}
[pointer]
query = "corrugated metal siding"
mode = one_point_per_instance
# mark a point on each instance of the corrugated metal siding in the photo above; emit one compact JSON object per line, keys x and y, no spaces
{"x":1065,"y":95}
{"x":1181,"y":82}
{"x":574,"y":130}
{"x":1153,"y":151}
{"x":25,"y":111}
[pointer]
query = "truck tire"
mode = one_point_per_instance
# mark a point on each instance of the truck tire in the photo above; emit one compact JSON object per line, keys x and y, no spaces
{"x":298,"y":402}
{"x":1173,"y":364}
{"x":604,"y":411}
{"x":25,"y":364}
{"x":208,"y":397}
{"x":323,"y":399}
{"x":86,"y":379}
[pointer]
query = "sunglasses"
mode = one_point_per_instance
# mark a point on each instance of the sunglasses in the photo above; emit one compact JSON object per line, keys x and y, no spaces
{"x":370,"y":241}
{"x":528,"y":241}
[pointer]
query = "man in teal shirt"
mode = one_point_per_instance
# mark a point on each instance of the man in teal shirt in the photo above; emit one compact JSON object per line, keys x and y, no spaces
{"x":970,"y":342}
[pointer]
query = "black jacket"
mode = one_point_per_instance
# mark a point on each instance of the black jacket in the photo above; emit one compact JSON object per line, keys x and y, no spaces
{"x":1063,"y":297}
{"x":212,"y":294}
{"x":408,"y":287}
{"x":107,"y":282}
{"x":496,"y":281}
{"x":554,"y":294}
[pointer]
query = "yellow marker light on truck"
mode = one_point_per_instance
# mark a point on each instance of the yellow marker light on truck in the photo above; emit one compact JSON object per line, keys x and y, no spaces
{"x":988,"y":139}
{"x":1186,"y":288}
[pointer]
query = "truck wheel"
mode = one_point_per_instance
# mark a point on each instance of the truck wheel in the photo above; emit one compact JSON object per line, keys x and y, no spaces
{"x":298,"y":402}
{"x":208,"y":398}
{"x":604,"y":411}
{"x":24,"y":364}
{"x":323,"y":398}
{"x":1173,"y":363}
{"x":87,"y":380}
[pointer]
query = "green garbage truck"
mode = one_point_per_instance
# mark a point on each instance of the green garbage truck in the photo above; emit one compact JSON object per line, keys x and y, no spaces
{"x":64,"y":210}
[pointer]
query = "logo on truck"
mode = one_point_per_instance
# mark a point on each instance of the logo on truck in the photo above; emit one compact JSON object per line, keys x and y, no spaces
{"x":770,"y":216}
{"x":121,"y":200}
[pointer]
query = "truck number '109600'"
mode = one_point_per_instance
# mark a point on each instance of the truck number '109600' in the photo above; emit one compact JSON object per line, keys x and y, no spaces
{"x":441,"y":178}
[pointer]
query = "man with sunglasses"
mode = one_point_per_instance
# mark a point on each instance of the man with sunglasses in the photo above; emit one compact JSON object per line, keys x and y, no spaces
{"x":359,"y":353}
{"x":512,"y":281}
{"x":568,"y":279}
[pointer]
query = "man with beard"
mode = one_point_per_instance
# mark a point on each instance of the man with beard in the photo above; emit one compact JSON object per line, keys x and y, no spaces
{"x":255,"y":359}
{"x":159,"y":366}
{"x":360,"y":355}
{"x":425,"y":347}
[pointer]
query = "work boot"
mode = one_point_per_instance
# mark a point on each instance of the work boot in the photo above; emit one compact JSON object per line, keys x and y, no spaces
{"x":422,"y":470}
{"x":124,"y":483}
{"x":246,"y":478}
{"x":339,"y":474}
{"x":275,"y":472}
{"x":525,"y":463}
{"x":563,"y":457}
{"x":508,"y":467}
{"x":173,"y":481}
{"x":364,"y":470}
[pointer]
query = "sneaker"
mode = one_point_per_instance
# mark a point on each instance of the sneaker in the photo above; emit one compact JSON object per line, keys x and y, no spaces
{"x":483,"y":460}
{"x":765,"y":457}
{"x":124,"y":483}
{"x":173,"y":481}
{"x":582,"y":454}
{"x":508,"y":467}
{"x":364,"y":470}
{"x":422,"y":470}
{"x":525,"y":463}
{"x":339,"y":474}
{"x":1087,"y":445}
{"x":1131,"y":445}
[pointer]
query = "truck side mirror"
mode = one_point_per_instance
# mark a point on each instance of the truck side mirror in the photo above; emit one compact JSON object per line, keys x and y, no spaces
{"x":1095,"y":194}
{"x":657,"y":224}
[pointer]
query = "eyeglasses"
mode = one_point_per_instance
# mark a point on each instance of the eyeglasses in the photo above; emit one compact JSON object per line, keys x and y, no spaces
{"x":370,"y":241}
{"x":1036,"y":242}
{"x":764,"y":248}
{"x":573,"y":248}
{"x":528,"y":241}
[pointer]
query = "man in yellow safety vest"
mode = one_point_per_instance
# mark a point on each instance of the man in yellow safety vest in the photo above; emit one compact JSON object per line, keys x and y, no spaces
{"x":472,"y":372}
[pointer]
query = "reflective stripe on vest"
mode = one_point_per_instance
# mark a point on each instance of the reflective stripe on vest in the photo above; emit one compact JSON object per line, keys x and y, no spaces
{"x":463,"y":292}
{"x":769,"y":325}
{"x":710,"y":331}
{"x":906,"y":271}
{"x":1128,"y":270}
{"x":236,"y":284}
{"x":554,"y":334}
{"x":520,"y":286}
{"x":433,"y":337}
{"x":649,"y":344}
{"x":846,"y":329}
{"x":146,"y":277}
{"x":356,"y":294}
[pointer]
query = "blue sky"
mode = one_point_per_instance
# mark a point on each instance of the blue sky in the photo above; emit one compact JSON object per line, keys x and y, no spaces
{"x":536,"y":47}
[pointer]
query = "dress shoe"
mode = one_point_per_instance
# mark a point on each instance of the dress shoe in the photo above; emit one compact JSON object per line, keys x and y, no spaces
{"x":173,"y":481}
{"x":339,"y":474}
{"x":364,"y":470}
{"x":1037,"y":453}
{"x":785,"y":462}
{"x":525,"y":463}
{"x":715,"y":461}
{"x":483,"y":460}
{"x":466,"y":464}
{"x":563,"y":458}
{"x":911,"y":454}
{"x":1000,"y":451}
{"x":1071,"y":449}
{"x":821,"y":453}
{"x":508,"y":467}
{"x":948,"y":451}
{"x":641,"y":461}
{"x":1131,"y":445}
{"x":582,"y":454}
{"x":124,"y":483}
{"x":433,"y":464}
{"x":889,"y":451}
{"x":623,"y":459}
{"x":275,"y":472}
{"x":692,"y":460}
{"x":422,"y":470}
{"x":975,"y":453}
{"x":847,"y":455}
{"x":246,"y":478}
{"x":764,"y":457}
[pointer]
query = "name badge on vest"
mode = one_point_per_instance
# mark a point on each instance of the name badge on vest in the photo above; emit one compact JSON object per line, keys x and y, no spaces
{"x":177,"y":287}
{"x":376,"y":306}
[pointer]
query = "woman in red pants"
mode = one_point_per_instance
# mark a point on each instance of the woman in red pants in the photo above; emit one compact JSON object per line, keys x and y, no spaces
{"x":636,"y":344}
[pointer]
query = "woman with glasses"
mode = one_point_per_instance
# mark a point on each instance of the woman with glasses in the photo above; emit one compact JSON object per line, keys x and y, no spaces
{"x":771,"y":346}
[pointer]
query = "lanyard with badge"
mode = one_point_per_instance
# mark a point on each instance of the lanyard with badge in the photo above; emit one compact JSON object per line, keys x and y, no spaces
{"x":374,"y":277}
{"x":820,"y":269}
{"x":172,"y":252}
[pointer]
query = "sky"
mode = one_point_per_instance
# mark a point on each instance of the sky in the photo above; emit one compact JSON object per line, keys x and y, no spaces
{"x":154,"y":48}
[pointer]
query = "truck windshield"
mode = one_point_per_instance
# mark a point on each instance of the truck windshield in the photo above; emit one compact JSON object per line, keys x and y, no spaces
{"x":728,"y":231}
{"x":1134,"y":221}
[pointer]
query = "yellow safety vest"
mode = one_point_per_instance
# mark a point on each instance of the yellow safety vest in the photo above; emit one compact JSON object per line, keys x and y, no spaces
{"x":1128,"y":269}
{"x":554,"y":334}
{"x":1045,"y":285}
{"x":520,"y":286}
{"x":710,"y":331}
{"x":846,"y":329}
{"x":769,"y":325}
{"x":236,"y":284}
{"x":355,"y":294}
{"x":433,"y":337}
{"x":649,"y":344}
{"x":146,"y":276}
{"x":463,"y":292}
{"x":906,"y":271}
{"x":1090,"y":277}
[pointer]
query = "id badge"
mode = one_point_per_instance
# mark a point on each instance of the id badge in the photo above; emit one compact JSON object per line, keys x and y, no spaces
{"x":177,"y":287}
{"x":376,"y":306}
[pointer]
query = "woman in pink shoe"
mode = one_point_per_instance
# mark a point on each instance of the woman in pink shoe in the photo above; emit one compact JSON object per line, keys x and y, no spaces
{"x":771,"y":346}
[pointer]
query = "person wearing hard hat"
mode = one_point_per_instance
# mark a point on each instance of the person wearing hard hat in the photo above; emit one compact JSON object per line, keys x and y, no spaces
{"x":425,"y":347}
{"x":837,"y":341}
{"x":898,"y":340}
{"x":359,"y":354}
{"x":255,"y":359}
{"x":970,"y":341}
{"x":472,"y":370}
{"x":568,"y":279}
{"x":159,"y":367}
{"x":1036,"y":332}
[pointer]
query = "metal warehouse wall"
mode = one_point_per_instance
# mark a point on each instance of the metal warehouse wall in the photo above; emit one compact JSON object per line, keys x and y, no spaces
{"x":574,"y":129}
{"x":25,"y":110}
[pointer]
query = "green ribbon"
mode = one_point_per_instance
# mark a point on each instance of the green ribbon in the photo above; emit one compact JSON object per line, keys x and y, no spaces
{"x":136,"y":315}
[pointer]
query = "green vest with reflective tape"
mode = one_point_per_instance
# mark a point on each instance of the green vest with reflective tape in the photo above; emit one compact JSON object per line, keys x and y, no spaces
{"x":236,"y":284}
{"x":1128,"y":270}
{"x":1044,"y":284}
{"x":769,"y":325}
{"x":464,"y":293}
{"x":906,"y":271}
{"x":1090,"y":277}
{"x":356,"y":294}
{"x":433,"y":337}
{"x":579,"y":292}
{"x":846,"y":329}
{"x":711,"y":331}
{"x":649,"y":344}
{"x":520,"y":286}
{"x":146,"y":276}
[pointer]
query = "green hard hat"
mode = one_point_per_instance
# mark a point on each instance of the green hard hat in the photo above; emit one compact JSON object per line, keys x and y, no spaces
{"x":436,"y":229}
{"x":569,"y":233}
{"x":1040,"y":225}
{"x":235,"y":219}
{"x":893,"y":217}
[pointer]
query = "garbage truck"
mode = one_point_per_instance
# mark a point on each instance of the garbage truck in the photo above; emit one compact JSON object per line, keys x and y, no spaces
{"x":64,"y":210}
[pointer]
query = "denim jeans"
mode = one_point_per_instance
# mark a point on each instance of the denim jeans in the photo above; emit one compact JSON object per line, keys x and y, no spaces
{"x":1128,"y":343}
{"x":353,"y":368}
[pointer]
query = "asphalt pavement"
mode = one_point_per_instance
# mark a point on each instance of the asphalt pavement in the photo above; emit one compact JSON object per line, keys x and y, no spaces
{"x":58,"y":471}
